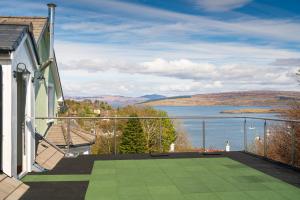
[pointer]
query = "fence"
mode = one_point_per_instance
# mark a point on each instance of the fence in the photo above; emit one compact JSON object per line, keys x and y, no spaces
{"x":275,"y":139}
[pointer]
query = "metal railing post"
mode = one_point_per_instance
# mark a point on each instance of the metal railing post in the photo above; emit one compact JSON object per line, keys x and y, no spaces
{"x":115,"y":137}
{"x":245,"y":136}
{"x":203,"y":136}
{"x":95,"y":132}
{"x":160,"y":135}
{"x":265,"y":139}
{"x":68,"y":133}
{"x":293,"y":145}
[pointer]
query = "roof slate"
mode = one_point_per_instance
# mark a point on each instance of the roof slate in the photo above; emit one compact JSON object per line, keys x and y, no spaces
{"x":11,"y":36}
{"x":38,"y":23}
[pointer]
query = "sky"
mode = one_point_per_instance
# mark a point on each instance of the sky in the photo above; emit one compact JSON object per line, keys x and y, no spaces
{"x":172,"y":47}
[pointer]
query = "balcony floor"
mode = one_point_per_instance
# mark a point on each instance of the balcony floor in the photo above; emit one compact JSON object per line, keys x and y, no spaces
{"x":188,"y":176}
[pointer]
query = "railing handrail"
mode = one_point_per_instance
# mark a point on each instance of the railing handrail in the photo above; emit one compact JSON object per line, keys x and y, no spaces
{"x":262,"y":138}
{"x":172,"y":117}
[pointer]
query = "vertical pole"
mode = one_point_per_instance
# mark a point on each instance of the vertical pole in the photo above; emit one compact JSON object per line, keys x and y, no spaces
{"x":115,"y":137}
{"x":68,"y":133}
{"x":293,"y":144}
{"x":245,"y":136}
{"x":265,"y":139}
{"x":160,"y":135}
{"x":203,"y":136}
{"x":96,"y":137}
{"x":95,"y":132}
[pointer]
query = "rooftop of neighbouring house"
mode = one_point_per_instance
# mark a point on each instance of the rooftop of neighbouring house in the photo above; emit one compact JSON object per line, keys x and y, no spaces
{"x":232,"y":175}
{"x":38,"y":23}
{"x":58,"y":135}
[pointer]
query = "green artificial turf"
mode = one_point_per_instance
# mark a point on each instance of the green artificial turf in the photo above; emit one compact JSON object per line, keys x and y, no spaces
{"x":184,"y":179}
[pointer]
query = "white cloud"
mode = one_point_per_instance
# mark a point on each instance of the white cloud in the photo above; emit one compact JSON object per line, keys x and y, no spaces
{"x":141,"y":52}
{"x":99,"y":87}
{"x":132,"y":49}
{"x":180,"y":87}
{"x":99,"y":27}
{"x":221,"y":5}
{"x":287,"y":62}
{"x":185,"y":25}
{"x":167,"y":86}
{"x":213,"y":76}
{"x":173,"y":86}
{"x":123,"y":88}
{"x":181,"y":68}
{"x":191,"y":87}
{"x":155,"y":21}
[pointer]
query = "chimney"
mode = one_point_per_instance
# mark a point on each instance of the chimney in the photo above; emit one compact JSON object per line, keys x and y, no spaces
{"x":51,"y":15}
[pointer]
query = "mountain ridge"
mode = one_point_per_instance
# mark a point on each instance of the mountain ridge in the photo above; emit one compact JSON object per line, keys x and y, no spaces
{"x":247,"y":98}
{"x":236,"y":98}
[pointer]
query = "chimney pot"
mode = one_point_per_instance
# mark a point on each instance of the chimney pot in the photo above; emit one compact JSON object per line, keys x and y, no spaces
{"x":51,"y":5}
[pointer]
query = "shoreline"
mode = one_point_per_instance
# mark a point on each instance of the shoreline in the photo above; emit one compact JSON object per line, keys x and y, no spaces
{"x":252,"y":110}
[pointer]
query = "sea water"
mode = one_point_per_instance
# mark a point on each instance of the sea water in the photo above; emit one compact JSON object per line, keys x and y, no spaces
{"x":219,"y":131}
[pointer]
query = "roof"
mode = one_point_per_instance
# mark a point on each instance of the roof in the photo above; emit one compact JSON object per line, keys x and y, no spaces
{"x":11,"y":36}
{"x":38,"y":23}
{"x":47,"y":156}
{"x":11,"y":188}
{"x":58,"y":135}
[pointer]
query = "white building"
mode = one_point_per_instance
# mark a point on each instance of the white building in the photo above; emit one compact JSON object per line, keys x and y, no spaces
{"x":18,"y":63}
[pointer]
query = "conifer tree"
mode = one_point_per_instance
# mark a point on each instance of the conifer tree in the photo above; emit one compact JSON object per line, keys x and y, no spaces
{"x":133,"y":139}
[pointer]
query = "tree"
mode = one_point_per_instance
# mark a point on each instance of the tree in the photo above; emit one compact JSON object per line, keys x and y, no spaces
{"x":157,"y":131}
{"x":133,"y":139}
{"x":104,"y":143}
{"x":168,"y":131}
{"x":280,"y":137}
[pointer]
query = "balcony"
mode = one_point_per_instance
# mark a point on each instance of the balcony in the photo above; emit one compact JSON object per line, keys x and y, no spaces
{"x":251,"y":169}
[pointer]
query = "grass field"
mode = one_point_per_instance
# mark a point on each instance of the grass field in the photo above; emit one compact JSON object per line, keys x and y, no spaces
{"x":184,"y":179}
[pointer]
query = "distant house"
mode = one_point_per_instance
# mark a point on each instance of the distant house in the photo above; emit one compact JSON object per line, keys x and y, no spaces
{"x":71,"y":138}
{"x":97,"y":111}
{"x":31,"y":88}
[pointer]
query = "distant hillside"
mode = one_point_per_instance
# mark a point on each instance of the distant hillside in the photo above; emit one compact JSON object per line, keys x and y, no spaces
{"x":115,"y":101}
{"x":153,"y":97}
{"x":248,"y":98}
{"x":118,"y":101}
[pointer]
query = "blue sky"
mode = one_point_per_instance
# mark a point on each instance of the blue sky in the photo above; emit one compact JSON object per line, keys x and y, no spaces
{"x":172,"y":47}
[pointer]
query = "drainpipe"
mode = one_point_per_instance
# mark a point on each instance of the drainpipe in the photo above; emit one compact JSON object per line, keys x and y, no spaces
{"x":51,"y":15}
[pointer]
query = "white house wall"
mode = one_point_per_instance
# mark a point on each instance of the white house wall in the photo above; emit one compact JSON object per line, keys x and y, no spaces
{"x":23,"y":54}
{"x":8,"y":141}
